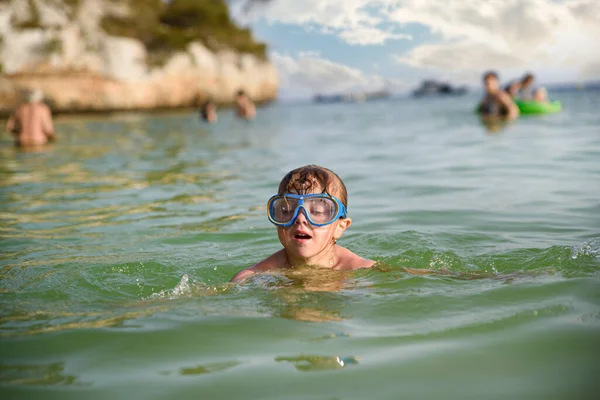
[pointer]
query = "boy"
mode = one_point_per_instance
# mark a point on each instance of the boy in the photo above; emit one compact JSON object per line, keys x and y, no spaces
{"x":310,"y":212}
{"x":208,"y":112}
{"x":244,"y":106}
{"x":496,"y":103}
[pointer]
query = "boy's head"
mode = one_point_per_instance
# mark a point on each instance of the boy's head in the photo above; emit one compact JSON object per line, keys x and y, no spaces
{"x":301,"y":237}
{"x":490,"y":81}
{"x":34,"y":96}
{"x":314,"y":179}
{"x":527,"y":79}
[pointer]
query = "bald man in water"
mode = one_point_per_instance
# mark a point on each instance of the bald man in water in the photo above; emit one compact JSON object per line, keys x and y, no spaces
{"x":31,"y":124}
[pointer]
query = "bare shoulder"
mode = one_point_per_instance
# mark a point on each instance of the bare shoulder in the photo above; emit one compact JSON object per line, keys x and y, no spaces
{"x":243,"y":275}
{"x":276,"y":260}
{"x":349,"y":260}
{"x":19,"y":111}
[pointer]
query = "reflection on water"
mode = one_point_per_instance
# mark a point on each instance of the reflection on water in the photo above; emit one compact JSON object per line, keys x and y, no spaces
{"x":46,"y":148}
{"x":305,"y":293}
{"x":494,"y":125}
{"x":52,"y":321}
{"x":204,"y":368}
{"x":36,"y":374}
{"x":207,"y":368}
{"x":307,"y":363}
{"x":316,"y":279}
{"x":300,"y":311}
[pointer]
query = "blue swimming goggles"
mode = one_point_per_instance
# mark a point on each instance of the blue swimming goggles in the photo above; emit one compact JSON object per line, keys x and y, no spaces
{"x":320,"y":209}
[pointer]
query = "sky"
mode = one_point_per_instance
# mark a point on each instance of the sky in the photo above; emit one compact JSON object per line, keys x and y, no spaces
{"x":330,"y":46}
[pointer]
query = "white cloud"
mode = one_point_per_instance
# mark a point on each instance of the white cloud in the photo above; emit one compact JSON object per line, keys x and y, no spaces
{"x":469,"y":35}
{"x":505,"y":34}
{"x":309,"y":53}
{"x":307,"y":73}
{"x":369,"y":35}
{"x":354,"y":21}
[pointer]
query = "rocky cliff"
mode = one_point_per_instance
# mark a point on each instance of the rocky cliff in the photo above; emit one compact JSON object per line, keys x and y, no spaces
{"x":63,"y":48}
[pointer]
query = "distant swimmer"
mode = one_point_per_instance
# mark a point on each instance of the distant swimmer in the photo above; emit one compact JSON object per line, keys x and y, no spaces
{"x":496,"y":103}
{"x":522,"y":88}
{"x":31,"y":124}
{"x":244,"y":106}
{"x":540,"y":95}
{"x":208,"y":112}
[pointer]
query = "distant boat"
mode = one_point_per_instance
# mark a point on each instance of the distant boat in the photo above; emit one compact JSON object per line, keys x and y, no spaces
{"x":353,"y":97}
{"x":436,"y":88}
{"x":321,"y":98}
{"x":378,"y":94}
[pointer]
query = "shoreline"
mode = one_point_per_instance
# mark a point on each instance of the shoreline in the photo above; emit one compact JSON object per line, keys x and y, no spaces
{"x":5,"y":114}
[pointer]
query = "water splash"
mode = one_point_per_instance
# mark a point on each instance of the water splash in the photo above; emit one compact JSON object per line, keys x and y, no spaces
{"x":182,"y":289}
{"x":589,"y":248}
{"x":186,"y":287}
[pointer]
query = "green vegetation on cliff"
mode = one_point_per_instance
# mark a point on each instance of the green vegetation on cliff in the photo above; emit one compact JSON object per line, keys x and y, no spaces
{"x":167,"y":27}
{"x":33,"y":22}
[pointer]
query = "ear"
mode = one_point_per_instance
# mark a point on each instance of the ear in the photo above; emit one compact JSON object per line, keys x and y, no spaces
{"x":342,"y":225}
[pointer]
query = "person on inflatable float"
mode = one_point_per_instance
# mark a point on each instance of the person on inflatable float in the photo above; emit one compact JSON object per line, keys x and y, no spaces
{"x":521,"y":89}
{"x":540,"y":95}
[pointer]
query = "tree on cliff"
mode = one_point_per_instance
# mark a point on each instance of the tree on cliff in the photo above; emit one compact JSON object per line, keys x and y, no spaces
{"x":167,"y":27}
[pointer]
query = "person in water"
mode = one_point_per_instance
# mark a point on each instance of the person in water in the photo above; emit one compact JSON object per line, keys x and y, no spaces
{"x":31,"y":124}
{"x":208,"y":112}
{"x":522,"y":88}
{"x":540,"y":95}
{"x":496,"y":103}
{"x":244,"y":106}
{"x":310,"y":213}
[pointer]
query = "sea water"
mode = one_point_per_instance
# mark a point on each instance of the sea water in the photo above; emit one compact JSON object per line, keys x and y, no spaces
{"x":118,"y":243}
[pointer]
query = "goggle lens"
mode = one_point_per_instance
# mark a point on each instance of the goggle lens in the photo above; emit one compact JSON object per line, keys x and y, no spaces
{"x":282,"y":209}
{"x":319,"y":210}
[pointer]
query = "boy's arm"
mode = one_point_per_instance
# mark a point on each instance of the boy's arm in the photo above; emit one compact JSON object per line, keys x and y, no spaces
{"x":251,"y":106}
{"x":13,"y":126}
{"x":507,"y":101}
{"x":516,"y":89}
{"x":47,"y":124}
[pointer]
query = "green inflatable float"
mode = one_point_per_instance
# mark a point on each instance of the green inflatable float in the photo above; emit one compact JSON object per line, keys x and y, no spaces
{"x":533,"y":107}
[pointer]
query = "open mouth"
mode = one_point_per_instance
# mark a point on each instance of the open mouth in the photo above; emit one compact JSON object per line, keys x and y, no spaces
{"x":302,"y":236}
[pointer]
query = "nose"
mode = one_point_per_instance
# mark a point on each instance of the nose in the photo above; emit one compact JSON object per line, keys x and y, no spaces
{"x":301,"y":218}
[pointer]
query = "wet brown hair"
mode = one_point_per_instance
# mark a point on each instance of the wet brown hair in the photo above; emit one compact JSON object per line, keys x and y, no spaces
{"x":302,"y":180}
{"x":490,"y":74}
{"x":528,"y":77}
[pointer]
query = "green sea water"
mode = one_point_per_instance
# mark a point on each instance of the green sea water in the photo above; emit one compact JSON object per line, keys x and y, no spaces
{"x":118,"y":242}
